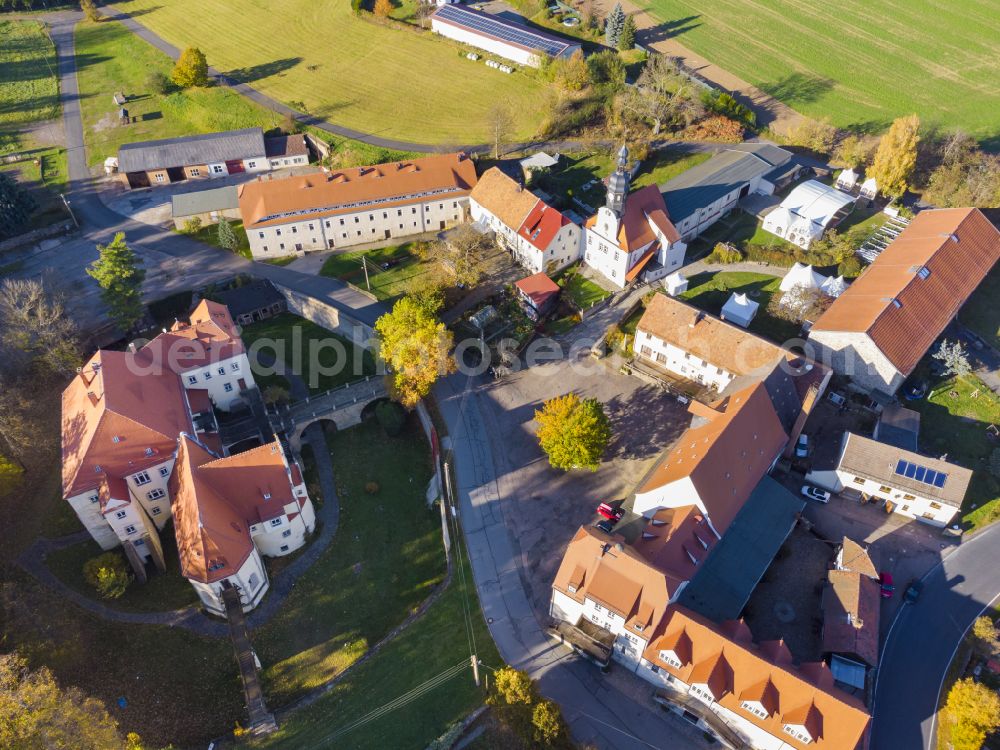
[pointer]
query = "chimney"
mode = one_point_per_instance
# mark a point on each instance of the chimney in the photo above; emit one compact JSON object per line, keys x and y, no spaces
{"x":131,"y":347}
{"x":697,"y":318}
{"x":93,"y":398}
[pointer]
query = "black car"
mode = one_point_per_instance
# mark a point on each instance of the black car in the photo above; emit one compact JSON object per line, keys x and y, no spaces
{"x":605,"y":525}
{"x":913,"y":591}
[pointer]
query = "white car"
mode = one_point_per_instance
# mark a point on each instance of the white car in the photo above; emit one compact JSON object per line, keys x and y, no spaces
{"x":815,"y":493}
{"x":802,"y":447}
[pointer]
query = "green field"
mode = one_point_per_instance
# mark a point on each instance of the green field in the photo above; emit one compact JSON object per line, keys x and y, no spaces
{"x":388,"y":82}
{"x":861,"y":63}
{"x":29,"y":91}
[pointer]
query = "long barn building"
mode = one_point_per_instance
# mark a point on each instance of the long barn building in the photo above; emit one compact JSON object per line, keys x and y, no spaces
{"x":356,"y":206}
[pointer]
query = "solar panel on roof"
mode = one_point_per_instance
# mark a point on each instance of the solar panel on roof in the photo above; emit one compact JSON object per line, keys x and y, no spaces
{"x":939,"y":479}
{"x":496,"y":28}
{"x":911,"y":469}
{"x":921,"y":473}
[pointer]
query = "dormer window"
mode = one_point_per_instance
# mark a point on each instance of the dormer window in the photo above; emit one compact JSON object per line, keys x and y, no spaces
{"x":571,"y":588}
{"x":267,"y":495}
{"x":755,"y":708}
{"x":149,"y":451}
{"x":670,"y":657}
{"x":702,"y":691}
{"x":798,"y":732}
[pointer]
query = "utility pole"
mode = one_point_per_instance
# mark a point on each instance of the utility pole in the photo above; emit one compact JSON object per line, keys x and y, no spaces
{"x":71,"y":214}
{"x":475,"y":669}
{"x":364,"y":265}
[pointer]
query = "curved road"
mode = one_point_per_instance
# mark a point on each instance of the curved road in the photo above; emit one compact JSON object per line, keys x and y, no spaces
{"x":922,"y":641}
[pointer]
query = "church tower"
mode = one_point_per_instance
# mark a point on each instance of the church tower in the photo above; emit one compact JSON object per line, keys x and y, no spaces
{"x":618,"y":184}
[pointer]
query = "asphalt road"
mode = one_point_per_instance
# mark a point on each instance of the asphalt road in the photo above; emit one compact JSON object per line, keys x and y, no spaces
{"x":923,"y":639}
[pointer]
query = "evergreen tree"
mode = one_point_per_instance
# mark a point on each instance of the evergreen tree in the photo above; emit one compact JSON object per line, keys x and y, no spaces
{"x":191,"y":69}
{"x":16,"y":205}
{"x":613,"y":26}
{"x":227,"y":237}
{"x":119,"y":273}
{"x":626,"y":40}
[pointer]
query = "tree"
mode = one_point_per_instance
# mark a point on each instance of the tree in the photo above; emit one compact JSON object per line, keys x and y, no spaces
{"x":626,"y":39}
{"x":119,"y":272}
{"x":572,"y":74}
{"x":36,"y":713}
{"x":815,"y":135}
{"x":34,"y":323}
{"x":985,"y":634}
{"x":191,"y":69}
{"x":799,"y":303}
{"x":663,"y":96}
{"x":192,"y":225}
{"x":513,"y":686}
{"x":275,"y":394}
{"x":500,"y":123}
{"x":965,"y":175}
{"x":391,"y":416}
{"x":89,"y":8}
{"x":108,"y":573}
{"x":725,"y":254}
{"x":16,"y":206}
{"x":415,"y":345}
{"x":853,"y":152}
{"x":464,"y":253}
{"x":954,"y":357}
{"x":613,"y":26}
{"x":606,"y":68}
{"x":973,"y":711}
{"x":573,"y":432}
{"x":227,"y":237}
{"x":382,"y":8}
{"x":547,"y":722}
{"x":896,"y":156}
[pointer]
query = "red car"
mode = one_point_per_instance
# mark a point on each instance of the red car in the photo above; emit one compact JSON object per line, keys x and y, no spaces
{"x":885,"y":579}
{"x":609,"y":512}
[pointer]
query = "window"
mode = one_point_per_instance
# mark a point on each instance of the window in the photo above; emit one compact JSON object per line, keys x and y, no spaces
{"x":267,"y":495}
{"x":284,"y":548}
{"x":235,"y":366}
{"x":116,"y":439}
{"x":159,"y":176}
{"x":207,"y":375}
{"x":277,"y":232}
{"x":141,"y":478}
{"x":195,"y":172}
{"x":341,"y":222}
{"x":192,"y":379}
{"x":130,"y":529}
{"x":669,"y":658}
{"x":883,"y":488}
{"x":228,"y":387}
{"x":265,"y":248}
{"x":646,"y":351}
{"x":164,"y":471}
{"x":217,"y":168}
{"x":295,"y":230}
{"x":94,"y":498}
{"x":156,"y":494}
{"x":598,"y":608}
{"x":797,"y":733}
{"x":286,"y":533}
{"x":858,"y":480}
{"x":936,"y":506}
{"x":909,"y":497}
{"x":702,"y":693}
{"x":276,"y":521}
{"x":157,"y":510}
{"x":253,"y":582}
{"x":222,"y":370}
{"x":251,"y":165}
{"x":754,"y":708}
{"x":120,"y":514}
{"x":413,"y":210}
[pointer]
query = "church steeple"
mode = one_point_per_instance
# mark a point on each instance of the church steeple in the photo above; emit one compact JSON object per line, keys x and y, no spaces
{"x":618,"y":184}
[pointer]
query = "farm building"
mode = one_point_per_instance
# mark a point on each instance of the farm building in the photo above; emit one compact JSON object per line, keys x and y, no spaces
{"x":287,"y":151}
{"x":700,"y":196}
{"x":512,"y":41}
{"x":537,"y":294}
{"x":808,"y":211}
{"x":150,"y":163}
{"x":205,"y":205}
{"x":258,"y":300}
{"x":356,"y":206}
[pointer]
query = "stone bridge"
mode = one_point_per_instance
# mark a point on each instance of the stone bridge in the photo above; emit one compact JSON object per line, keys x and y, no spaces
{"x":342,"y":406}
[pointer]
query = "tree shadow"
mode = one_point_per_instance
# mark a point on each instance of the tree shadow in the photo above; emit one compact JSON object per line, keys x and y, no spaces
{"x":123,"y":14}
{"x":798,"y":88}
{"x":644,"y":422}
{"x":668,"y":30}
{"x":264,"y":70}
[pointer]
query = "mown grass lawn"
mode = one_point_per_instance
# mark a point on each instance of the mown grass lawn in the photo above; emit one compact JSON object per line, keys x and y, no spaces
{"x":860,"y":63}
{"x":581,"y":291}
{"x":161,"y":593}
{"x":710,"y":291}
{"x":406,"y":274}
{"x":395,"y":83}
{"x":386,"y":558}
{"x":209,"y":234}
{"x":109,"y":58}
{"x":29,"y":89}
{"x":425,"y":649}
{"x":322,"y":358}
{"x":952,"y":422}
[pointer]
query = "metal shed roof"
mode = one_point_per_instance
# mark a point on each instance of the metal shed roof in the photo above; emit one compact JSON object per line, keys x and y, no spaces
{"x":201,"y":201}
{"x":207,"y":148}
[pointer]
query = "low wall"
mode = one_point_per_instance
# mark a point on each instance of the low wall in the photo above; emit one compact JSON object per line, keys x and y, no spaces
{"x":328,"y":316}
{"x":30,"y":238}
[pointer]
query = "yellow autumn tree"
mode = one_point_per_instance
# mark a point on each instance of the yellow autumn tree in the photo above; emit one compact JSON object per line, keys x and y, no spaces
{"x":383,"y":8}
{"x":973,"y":711}
{"x":896,"y":156}
{"x":573,"y":432}
{"x":415,"y":345}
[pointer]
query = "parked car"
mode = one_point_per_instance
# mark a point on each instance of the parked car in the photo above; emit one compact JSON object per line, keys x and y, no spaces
{"x":885,"y":580}
{"x":605,"y":525}
{"x":913,"y":591}
{"x":815,"y":493}
{"x":802,"y":446}
{"x":610,"y":512}
{"x":836,"y":398}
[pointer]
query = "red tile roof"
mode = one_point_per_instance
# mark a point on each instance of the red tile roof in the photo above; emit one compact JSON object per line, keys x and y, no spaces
{"x":851,"y":615}
{"x":210,"y":336}
{"x":642,"y":207}
{"x":904,"y":308}
{"x":539,"y":288}
{"x":541,"y":225}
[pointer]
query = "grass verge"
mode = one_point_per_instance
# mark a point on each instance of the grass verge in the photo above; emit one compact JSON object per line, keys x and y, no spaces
{"x":406,"y":272}
{"x":210,"y":236}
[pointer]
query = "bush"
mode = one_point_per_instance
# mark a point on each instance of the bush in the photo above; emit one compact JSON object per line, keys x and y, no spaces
{"x":717,"y":128}
{"x":372,"y":488}
{"x":391,"y":416}
{"x":722,"y":103}
{"x":275,"y":394}
{"x":89,"y":9}
{"x":723,"y":253}
{"x":108,"y":574}
{"x":850,"y":268}
{"x":159,"y":82}
{"x":192,"y":225}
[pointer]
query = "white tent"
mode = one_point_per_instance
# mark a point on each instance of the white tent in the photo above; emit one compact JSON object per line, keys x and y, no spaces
{"x":807,"y":212}
{"x":802,"y":275}
{"x":739,"y":309}
{"x":847,"y":180}
{"x":675,"y":284}
{"x":539,"y":160}
{"x":834,"y":286}
{"x":869,"y":189}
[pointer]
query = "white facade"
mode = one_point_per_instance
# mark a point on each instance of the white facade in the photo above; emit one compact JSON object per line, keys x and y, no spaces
{"x":905,"y":502}
{"x":251,"y":580}
{"x":603,"y":254}
{"x":674,"y":359}
{"x":279,"y":162}
{"x":286,"y":533}
{"x":856,"y":356}
{"x":223,"y":380}
{"x":299,"y":235}
{"x":808,"y":211}
{"x":562,"y":250}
